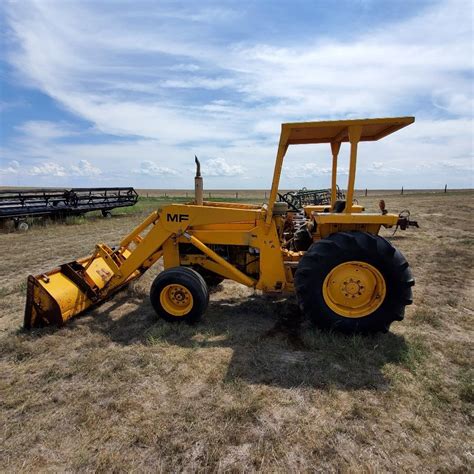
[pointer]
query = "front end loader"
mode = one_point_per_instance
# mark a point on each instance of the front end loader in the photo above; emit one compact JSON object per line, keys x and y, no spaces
{"x":345,"y":276}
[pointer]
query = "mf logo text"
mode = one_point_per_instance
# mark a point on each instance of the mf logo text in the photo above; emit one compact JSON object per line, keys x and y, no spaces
{"x":177,"y":217}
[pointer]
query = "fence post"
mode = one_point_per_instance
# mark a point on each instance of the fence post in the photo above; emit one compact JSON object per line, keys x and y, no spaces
{"x":236,"y":195}
{"x":209,"y":195}
{"x":445,"y":188}
{"x":402,"y":191}
{"x":365,"y":192}
{"x":265,"y":195}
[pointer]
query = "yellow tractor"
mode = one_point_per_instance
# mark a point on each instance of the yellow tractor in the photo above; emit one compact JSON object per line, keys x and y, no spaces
{"x":345,"y":276}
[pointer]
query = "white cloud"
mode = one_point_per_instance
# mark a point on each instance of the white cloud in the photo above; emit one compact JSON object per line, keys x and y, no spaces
{"x":220,"y":167}
{"x":13,"y":167}
{"x":456,"y":166}
{"x":150,"y":168}
{"x":383,"y":169}
{"x":198,"y":14}
{"x":84,"y":168}
{"x":311,"y":170}
{"x":51,"y":169}
{"x":47,"y":169}
{"x":369,"y":74}
{"x":311,"y":80}
{"x":199,"y":83}
{"x":454,"y":102}
{"x":184,"y":67}
{"x":43,"y":129}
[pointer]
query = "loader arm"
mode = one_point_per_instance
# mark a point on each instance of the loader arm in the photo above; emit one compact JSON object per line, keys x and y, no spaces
{"x":56,"y":296}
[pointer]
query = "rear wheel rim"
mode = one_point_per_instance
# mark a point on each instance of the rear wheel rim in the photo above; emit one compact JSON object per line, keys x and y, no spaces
{"x":176,"y":300}
{"x":354,"y":289}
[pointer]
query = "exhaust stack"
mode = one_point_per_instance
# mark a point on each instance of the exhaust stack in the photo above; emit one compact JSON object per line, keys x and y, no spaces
{"x":198,"y":184}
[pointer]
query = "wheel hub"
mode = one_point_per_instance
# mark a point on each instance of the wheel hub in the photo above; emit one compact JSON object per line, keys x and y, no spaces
{"x":354,"y":289}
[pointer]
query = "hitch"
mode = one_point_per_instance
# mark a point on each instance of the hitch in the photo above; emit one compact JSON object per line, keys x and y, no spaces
{"x":404,"y":221}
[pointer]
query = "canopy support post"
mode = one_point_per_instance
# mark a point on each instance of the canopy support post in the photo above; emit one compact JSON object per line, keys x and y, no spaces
{"x":282,"y":147}
{"x":355,"y":131}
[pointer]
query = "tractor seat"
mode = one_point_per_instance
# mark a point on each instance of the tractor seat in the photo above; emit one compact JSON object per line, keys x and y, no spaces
{"x":339,"y":206}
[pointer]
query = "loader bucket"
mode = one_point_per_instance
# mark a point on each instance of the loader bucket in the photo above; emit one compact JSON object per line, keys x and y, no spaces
{"x":54,"y":297}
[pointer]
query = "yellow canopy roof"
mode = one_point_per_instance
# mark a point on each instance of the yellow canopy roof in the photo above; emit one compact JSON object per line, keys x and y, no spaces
{"x":338,"y":130}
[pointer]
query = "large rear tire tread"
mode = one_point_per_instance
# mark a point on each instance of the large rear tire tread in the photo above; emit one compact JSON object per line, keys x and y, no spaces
{"x":188,"y":278}
{"x":342,"y":247}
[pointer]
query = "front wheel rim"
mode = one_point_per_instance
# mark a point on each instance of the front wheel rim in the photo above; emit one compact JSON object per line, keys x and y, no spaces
{"x":354,"y":289}
{"x":176,"y":300}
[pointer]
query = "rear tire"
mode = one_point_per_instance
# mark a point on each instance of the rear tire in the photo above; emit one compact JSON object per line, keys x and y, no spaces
{"x":335,"y":307}
{"x":212,"y":279}
{"x":179,"y":294}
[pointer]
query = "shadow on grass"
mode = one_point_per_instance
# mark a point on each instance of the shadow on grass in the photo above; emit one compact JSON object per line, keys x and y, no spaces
{"x":270,"y":344}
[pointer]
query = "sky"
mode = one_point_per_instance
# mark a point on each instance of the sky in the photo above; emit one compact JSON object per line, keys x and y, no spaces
{"x":125,"y":93}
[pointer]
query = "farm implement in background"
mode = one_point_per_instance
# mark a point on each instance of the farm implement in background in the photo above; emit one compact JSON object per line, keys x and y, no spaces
{"x":18,"y":205}
{"x":296,"y":200}
{"x":345,"y":276}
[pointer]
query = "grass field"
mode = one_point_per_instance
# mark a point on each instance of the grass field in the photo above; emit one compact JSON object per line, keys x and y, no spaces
{"x":117,"y":390}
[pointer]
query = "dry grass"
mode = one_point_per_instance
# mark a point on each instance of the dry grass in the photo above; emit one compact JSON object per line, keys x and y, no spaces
{"x":246,"y":389}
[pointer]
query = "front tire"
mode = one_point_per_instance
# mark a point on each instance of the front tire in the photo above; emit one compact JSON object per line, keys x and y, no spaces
{"x":179,"y":294}
{"x":353,"y":282}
